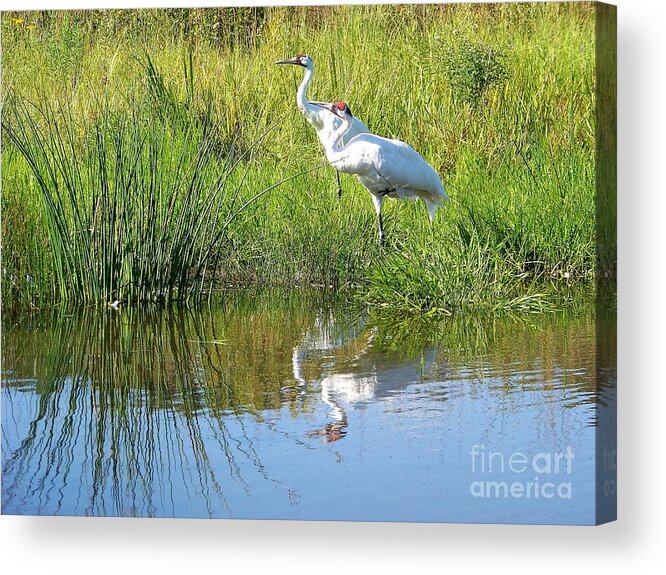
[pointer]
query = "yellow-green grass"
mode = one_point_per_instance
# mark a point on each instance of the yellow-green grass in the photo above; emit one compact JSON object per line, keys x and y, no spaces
{"x":517,"y":160}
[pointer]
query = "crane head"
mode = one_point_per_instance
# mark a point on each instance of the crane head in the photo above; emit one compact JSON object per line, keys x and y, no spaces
{"x":300,"y":60}
{"x":340,"y":109}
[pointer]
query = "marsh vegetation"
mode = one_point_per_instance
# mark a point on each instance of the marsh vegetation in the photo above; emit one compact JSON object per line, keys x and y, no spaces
{"x":159,"y":155}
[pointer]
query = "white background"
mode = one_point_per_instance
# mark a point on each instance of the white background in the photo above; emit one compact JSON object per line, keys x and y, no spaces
{"x":635,"y":543}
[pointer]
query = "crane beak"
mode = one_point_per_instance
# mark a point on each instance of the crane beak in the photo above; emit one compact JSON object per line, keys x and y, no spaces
{"x":289,"y":61}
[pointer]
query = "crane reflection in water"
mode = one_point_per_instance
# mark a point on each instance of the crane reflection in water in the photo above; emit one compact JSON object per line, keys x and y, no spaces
{"x":350,"y":371}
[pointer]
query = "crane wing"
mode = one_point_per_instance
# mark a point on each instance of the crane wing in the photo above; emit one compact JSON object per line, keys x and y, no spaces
{"x":402,"y":167}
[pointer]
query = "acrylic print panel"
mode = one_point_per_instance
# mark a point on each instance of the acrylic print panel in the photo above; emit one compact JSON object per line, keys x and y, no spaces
{"x":203,"y":318}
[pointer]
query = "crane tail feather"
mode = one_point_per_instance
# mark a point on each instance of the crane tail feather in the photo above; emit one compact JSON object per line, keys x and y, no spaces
{"x":432,"y":210}
{"x":433,"y":206}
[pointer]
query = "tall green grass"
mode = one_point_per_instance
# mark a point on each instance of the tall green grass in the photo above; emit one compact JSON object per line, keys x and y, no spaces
{"x":499,"y":99}
{"x":135,"y":207}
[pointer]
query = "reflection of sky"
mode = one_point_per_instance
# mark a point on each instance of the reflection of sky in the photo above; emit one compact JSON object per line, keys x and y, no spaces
{"x":403,"y":454}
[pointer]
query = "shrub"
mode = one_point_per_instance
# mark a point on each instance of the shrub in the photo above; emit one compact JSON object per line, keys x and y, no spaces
{"x":472,"y":67}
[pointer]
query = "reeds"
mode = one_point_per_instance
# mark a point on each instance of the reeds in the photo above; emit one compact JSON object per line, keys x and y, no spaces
{"x":134,"y":209}
{"x":191,"y":123}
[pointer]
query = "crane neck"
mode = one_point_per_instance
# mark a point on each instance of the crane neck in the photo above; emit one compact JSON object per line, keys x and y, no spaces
{"x":335,"y":149}
{"x":301,"y":98}
{"x":328,"y":397}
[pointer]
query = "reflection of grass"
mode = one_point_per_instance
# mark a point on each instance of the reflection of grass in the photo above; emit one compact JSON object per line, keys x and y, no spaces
{"x":519,"y":164}
{"x":140,"y":396}
{"x":472,"y":334}
{"x":235,"y":356}
{"x":506,"y":343}
{"x":146,"y":395}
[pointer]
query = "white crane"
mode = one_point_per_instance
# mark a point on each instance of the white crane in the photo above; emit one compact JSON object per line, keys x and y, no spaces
{"x":387,"y":168}
{"x":316,"y":113}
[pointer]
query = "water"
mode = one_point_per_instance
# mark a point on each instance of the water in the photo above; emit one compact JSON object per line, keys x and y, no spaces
{"x":296,"y":407}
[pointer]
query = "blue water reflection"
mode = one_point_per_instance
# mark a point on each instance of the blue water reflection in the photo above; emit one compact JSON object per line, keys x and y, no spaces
{"x":299,"y":408}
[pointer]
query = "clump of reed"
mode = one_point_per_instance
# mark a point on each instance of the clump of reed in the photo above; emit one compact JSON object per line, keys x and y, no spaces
{"x":135,"y":207}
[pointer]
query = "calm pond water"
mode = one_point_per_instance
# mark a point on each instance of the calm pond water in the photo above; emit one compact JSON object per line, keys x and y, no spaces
{"x":293,"y":406}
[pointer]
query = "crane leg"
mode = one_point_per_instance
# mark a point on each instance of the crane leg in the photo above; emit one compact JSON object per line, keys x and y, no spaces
{"x":382,"y":235}
{"x":337,"y":177}
{"x":377,"y":200}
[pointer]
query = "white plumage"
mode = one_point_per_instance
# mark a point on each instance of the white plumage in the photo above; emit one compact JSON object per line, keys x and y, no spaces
{"x":316,"y":113}
{"x":387,"y":168}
